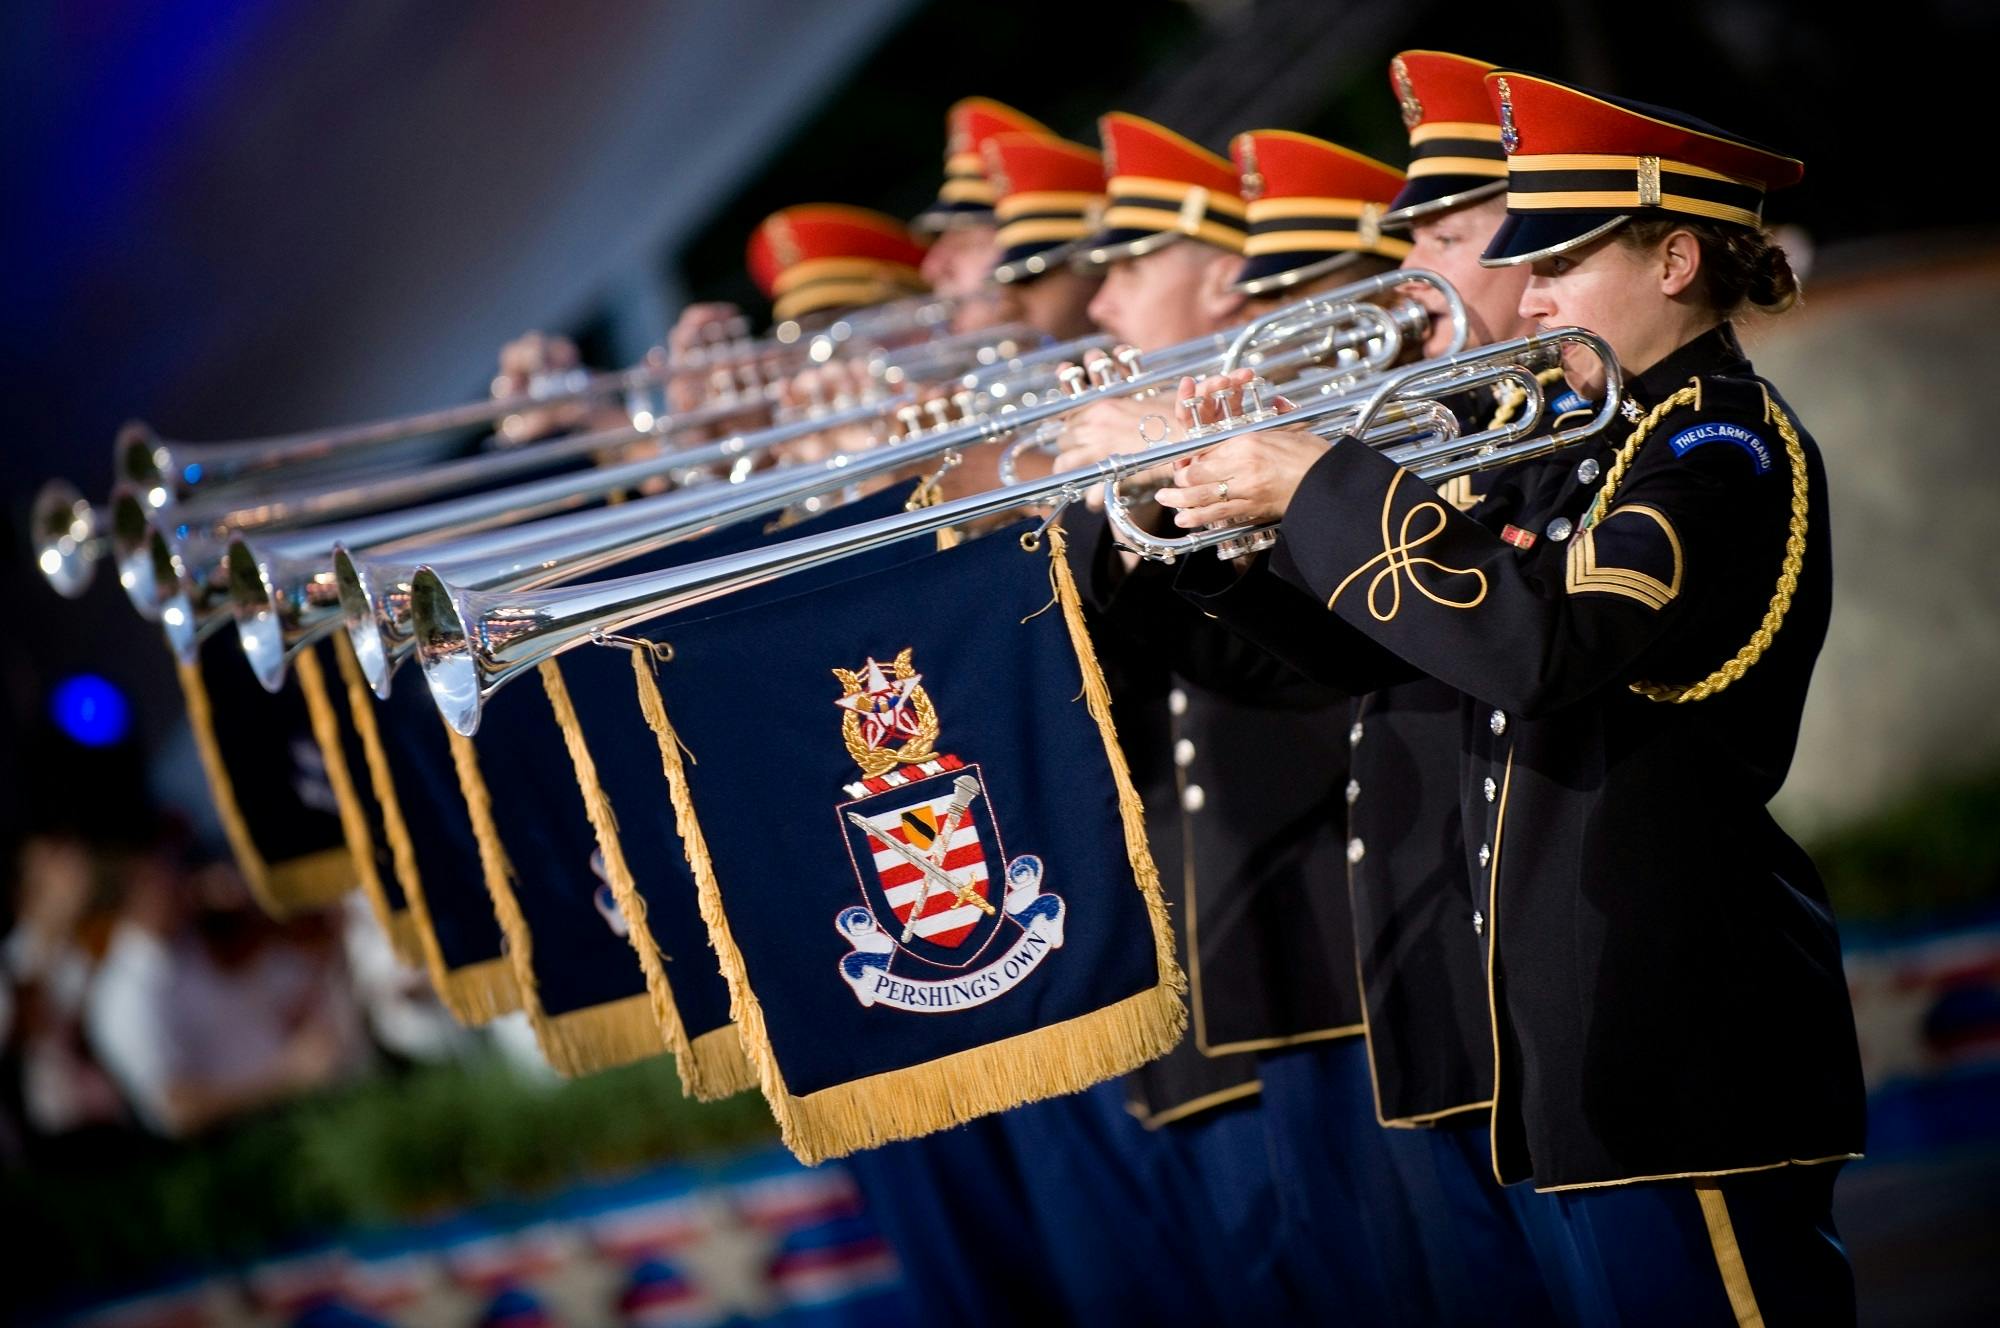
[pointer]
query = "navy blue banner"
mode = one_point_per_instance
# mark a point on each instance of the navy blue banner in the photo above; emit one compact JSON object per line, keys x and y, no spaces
{"x":919,"y":853}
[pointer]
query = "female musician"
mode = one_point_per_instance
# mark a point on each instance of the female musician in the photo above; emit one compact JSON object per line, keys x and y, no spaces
{"x":1631,"y":631}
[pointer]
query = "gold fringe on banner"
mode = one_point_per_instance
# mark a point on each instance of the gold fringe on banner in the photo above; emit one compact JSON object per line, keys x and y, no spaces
{"x":476,"y":993}
{"x":578,"y":1042}
{"x":280,"y":888}
{"x":711,"y":1066}
{"x":397,"y":923}
{"x":326,"y":734}
{"x":921,"y":1099}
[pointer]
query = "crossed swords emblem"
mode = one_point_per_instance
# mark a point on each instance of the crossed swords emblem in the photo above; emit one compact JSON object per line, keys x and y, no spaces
{"x":964,"y":789}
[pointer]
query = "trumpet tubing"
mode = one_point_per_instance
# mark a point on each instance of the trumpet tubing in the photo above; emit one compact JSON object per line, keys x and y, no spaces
{"x":470,"y":643}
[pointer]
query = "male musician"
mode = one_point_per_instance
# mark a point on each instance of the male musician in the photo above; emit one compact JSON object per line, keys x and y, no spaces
{"x":1242,"y":765}
{"x":966,"y":244}
{"x":1048,"y":195}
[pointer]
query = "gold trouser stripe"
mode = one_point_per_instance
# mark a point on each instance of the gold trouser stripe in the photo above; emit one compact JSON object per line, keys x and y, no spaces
{"x":1423,"y":166}
{"x":1729,"y":1257}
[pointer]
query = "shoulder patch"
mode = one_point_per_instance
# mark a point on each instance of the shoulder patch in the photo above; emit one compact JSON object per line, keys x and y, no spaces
{"x":1736,"y":435}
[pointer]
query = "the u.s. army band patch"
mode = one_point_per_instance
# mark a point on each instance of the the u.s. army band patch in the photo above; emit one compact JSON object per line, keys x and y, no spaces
{"x":923,"y":869}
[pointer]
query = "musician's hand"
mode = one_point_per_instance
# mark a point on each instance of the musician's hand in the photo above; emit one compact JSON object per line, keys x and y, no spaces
{"x":524,"y":361}
{"x":1108,"y":428}
{"x":700,"y":327}
{"x":1261,"y":472}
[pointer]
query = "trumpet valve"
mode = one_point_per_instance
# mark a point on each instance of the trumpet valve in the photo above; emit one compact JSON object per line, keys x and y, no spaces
{"x":1242,"y":546}
{"x":912,"y":420}
{"x":1128,"y":357}
{"x":721,"y":385}
{"x":940,"y":412}
{"x":1254,"y":409}
{"x":1192,"y":407}
{"x":1222,"y":416}
{"x":1102,"y":372}
{"x":1072,"y":377}
{"x":963,"y":402}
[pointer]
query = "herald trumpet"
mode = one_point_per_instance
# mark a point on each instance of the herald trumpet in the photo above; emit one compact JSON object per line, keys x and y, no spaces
{"x":376,"y":592}
{"x":471,"y":643}
{"x":281,"y":590}
{"x":1405,"y":403}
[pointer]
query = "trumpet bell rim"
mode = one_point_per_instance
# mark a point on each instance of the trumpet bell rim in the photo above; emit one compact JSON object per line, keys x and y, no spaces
{"x":139,"y":458}
{"x":444,"y":649}
{"x":139,"y":555}
{"x":65,"y":530}
{"x":364,"y":620}
{"x":254,"y":605}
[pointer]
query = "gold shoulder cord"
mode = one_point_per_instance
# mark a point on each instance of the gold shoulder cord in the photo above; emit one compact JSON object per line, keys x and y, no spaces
{"x":1788,"y":574}
{"x":1511,"y":402}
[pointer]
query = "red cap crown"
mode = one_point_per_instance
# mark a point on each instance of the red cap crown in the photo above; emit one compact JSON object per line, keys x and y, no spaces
{"x":1161,"y":184}
{"x":820,"y":255}
{"x":1455,"y":155}
{"x":966,"y":195}
{"x":1050,"y":197}
{"x":1579,"y":161}
{"x":1309,"y":202}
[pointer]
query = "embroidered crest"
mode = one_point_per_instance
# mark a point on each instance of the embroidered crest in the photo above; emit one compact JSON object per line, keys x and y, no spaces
{"x":1510,"y":137}
{"x":1406,"y":94}
{"x":883,"y":707}
{"x":939,"y":928}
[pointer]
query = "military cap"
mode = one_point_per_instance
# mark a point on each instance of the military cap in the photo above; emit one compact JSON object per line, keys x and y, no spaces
{"x":967,"y":195}
{"x":1455,"y":155}
{"x":827,"y":255}
{"x":1579,"y":163}
{"x":1050,"y":196}
{"x":1162,"y":187}
{"x":1312,"y":207}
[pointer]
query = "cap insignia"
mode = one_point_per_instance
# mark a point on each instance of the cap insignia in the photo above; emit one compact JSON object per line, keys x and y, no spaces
{"x":1406,"y":94}
{"x":1510,"y":137}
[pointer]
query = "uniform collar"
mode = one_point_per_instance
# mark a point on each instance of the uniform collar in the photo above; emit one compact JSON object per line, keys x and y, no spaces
{"x":1713,"y":353}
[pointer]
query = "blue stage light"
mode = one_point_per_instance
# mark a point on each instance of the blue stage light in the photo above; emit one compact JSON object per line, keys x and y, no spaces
{"x":91,"y":710}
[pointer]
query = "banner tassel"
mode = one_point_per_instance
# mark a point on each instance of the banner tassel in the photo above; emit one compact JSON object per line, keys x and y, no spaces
{"x":278,"y":889}
{"x":396,"y":923}
{"x":476,"y":993}
{"x":704,"y":1078}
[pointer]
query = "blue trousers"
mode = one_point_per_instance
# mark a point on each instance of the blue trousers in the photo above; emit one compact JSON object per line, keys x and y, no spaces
{"x":1686,"y":1254}
{"x":1479,"y":1267}
{"x":1353,"y":1249}
{"x":954,"y":1208}
{"x":1144,"y":1227}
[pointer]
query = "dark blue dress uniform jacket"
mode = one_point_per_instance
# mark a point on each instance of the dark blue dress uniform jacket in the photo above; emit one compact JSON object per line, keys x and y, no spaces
{"x":1661,"y":960}
{"x":1241,"y":763}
